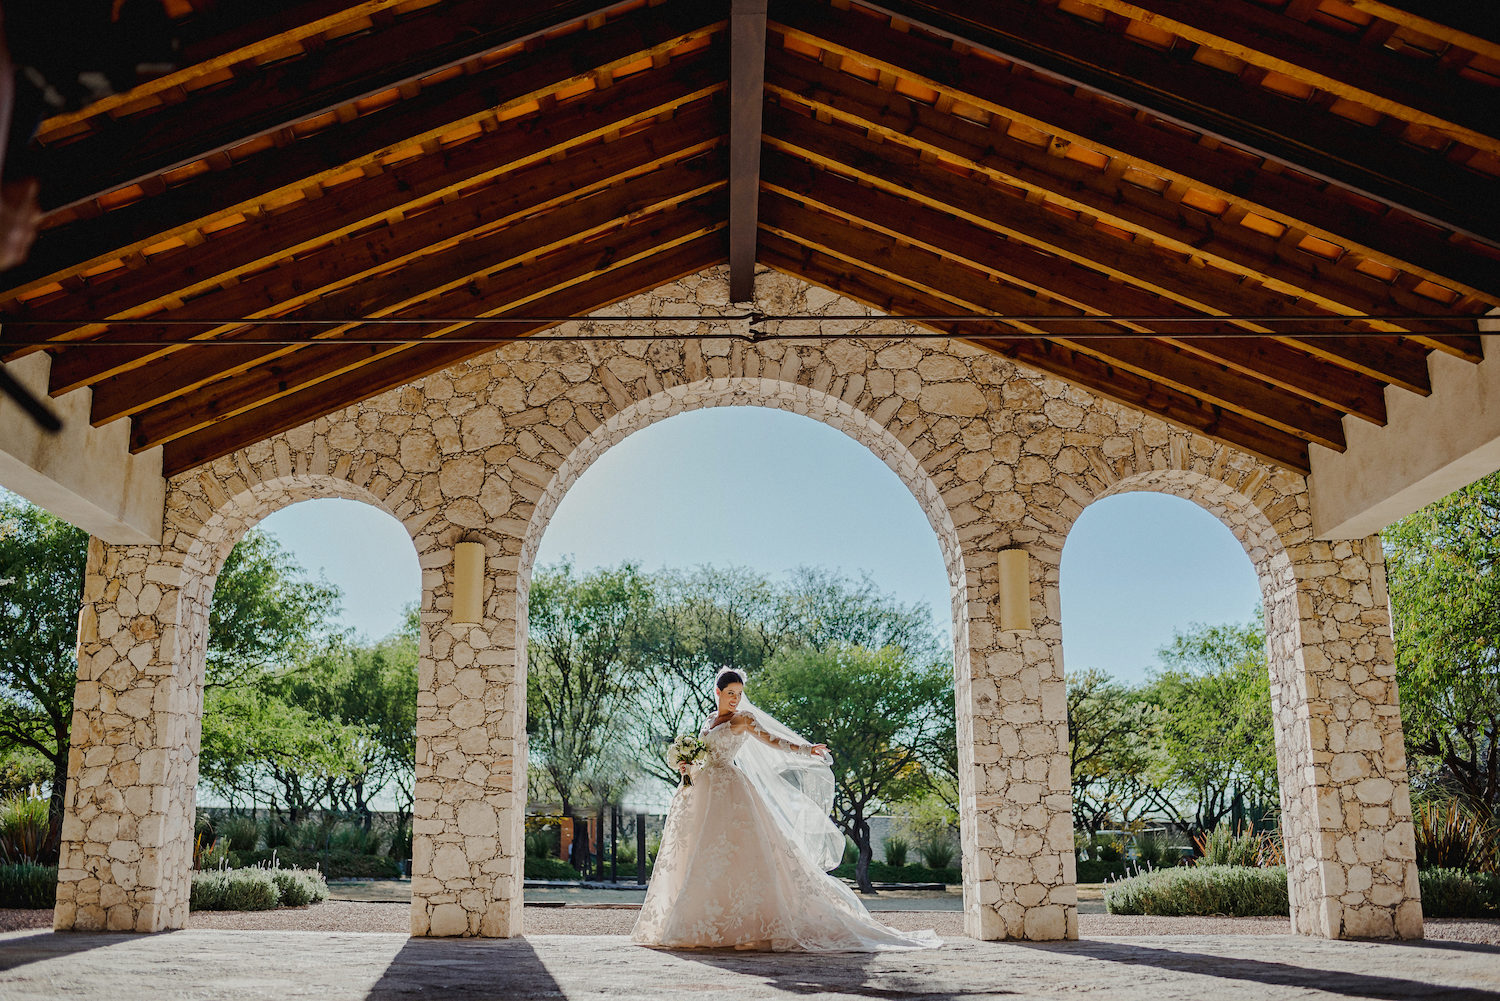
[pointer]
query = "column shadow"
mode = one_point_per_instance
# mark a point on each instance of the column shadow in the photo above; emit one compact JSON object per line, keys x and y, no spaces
{"x":18,"y":949}
{"x":1268,"y":972}
{"x":466,"y":969}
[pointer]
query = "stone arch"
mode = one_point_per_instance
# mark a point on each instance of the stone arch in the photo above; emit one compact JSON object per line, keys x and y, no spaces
{"x":159,"y":597}
{"x":1346,"y":811}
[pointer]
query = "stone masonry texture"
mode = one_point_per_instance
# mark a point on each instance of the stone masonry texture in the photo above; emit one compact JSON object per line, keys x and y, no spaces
{"x":998,"y":456}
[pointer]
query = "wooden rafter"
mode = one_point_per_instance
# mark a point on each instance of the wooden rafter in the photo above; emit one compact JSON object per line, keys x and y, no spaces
{"x":242,"y":187}
{"x":511,"y":289}
{"x":1180,"y":408}
{"x":1214,"y":104}
{"x":641,"y":273}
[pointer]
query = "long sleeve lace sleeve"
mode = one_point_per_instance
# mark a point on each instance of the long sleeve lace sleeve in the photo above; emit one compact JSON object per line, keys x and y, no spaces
{"x":760,"y":732}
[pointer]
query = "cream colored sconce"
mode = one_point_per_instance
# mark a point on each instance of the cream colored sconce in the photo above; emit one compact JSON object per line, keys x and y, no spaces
{"x":1015,"y":589}
{"x":468,"y":582}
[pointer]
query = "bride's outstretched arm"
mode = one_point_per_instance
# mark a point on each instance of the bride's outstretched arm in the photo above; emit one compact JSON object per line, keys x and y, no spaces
{"x":749,"y":722}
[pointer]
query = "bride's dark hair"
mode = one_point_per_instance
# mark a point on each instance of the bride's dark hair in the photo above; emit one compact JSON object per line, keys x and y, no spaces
{"x":728,"y":678}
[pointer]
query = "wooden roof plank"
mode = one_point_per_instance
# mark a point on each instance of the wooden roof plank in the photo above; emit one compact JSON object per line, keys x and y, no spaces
{"x":747,"y":96}
{"x":1081,"y":370}
{"x":222,"y":193}
{"x":533,"y":188}
{"x":224,"y":437}
{"x":404,"y":290}
{"x":279,"y":95}
{"x":1409,"y":247}
{"x":942,"y":276}
{"x":512,"y":289}
{"x":1431,"y":189}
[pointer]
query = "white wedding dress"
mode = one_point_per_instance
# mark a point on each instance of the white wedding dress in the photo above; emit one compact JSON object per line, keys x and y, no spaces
{"x":727,"y":876}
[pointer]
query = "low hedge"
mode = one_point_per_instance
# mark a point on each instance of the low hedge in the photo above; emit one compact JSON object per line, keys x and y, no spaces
{"x":1456,"y":893}
{"x":880,"y":872}
{"x":256,"y":889}
{"x":333,"y":864}
{"x":549,"y":868}
{"x":1235,"y":890}
{"x":28,"y":885}
{"x":1090,"y":871}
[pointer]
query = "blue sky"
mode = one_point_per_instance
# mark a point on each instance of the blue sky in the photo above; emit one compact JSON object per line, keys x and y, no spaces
{"x":772,"y":490}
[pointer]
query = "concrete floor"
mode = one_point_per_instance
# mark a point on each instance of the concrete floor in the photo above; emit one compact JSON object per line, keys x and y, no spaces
{"x":243,"y":965}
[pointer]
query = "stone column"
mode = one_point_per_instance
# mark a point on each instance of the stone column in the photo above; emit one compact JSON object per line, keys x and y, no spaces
{"x":468,"y":841}
{"x":127,"y":837}
{"x":1346,"y":806}
{"x":1016,"y":800}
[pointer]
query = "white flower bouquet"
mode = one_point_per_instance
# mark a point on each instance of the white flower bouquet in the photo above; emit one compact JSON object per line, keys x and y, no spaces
{"x":688,"y":749}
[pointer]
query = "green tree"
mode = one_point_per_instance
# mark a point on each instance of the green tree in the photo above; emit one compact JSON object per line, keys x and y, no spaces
{"x":881,"y":715}
{"x":41,"y":587}
{"x":1443,"y":564}
{"x":1110,"y":728}
{"x":820,"y":609}
{"x":581,"y":644}
{"x":1213,"y":745}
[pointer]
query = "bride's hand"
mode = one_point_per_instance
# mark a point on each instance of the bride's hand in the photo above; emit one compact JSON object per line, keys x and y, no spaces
{"x":819,"y":751}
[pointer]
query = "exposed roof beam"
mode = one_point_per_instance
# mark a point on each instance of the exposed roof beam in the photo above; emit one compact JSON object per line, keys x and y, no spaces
{"x":1414,"y":90}
{"x":514,"y":289}
{"x":1336,"y":285}
{"x":265,"y":100}
{"x":1179,"y":408}
{"x":631,"y":277}
{"x":1195,"y":97}
{"x":306,"y":278}
{"x":747,"y":75}
{"x":239,"y":187}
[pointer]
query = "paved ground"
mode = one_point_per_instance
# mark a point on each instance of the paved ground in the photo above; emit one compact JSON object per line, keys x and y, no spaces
{"x":244,"y":966}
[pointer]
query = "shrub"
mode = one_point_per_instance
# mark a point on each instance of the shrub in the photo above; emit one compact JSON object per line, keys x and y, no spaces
{"x":1222,"y":846}
{"x":278,"y":834}
{"x":851,"y":852}
{"x":299,"y":887}
{"x":354,"y":838}
{"x":1108,"y":849}
{"x":895,"y":851}
{"x":240,"y":833}
{"x":937,"y":851}
{"x":1099,"y":872}
{"x":881,"y":872}
{"x":23,"y":827}
{"x":543,"y":844}
{"x":26,"y":884}
{"x":401,"y":841}
{"x":333,"y":865}
{"x":550,"y":868}
{"x":1450,"y":837}
{"x":1454,"y":893}
{"x":1150,"y":850}
{"x":1236,"y":890}
{"x":209,"y":854}
{"x":233,"y":890}
{"x":625,"y":852}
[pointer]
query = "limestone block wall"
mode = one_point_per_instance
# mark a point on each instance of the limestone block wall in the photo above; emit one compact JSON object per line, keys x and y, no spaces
{"x":996,"y":455}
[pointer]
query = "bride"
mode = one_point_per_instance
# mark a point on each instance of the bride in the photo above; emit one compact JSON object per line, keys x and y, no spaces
{"x":746,"y":845}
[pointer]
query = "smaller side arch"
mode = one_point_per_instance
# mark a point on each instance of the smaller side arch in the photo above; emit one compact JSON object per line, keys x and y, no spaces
{"x":1345,"y":801}
{"x":127,"y":838}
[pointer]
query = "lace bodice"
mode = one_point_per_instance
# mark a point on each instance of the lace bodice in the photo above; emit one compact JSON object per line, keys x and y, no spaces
{"x":725,"y":740}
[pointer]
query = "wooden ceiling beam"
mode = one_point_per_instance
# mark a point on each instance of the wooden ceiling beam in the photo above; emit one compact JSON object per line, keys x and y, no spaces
{"x":971,"y":289}
{"x":895,"y":169}
{"x":930,"y":228}
{"x":747,"y":96}
{"x":1113,"y":129}
{"x":241,"y":188}
{"x":1376,"y":77}
{"x":307,"y":277}
{"x":1191,"y":95}
{"x":1107,"y":194}
{"x":513,"y":290}
{"x":640,"y":274}
{"x":893,"y":297}
{"x":1468,"y":25}
{"x":280,"y":95}
{"x":537,"y":231}
{"x":1401,"y":363}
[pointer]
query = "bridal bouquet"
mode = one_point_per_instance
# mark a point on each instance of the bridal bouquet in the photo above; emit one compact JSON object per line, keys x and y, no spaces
{"x":687,"y":750}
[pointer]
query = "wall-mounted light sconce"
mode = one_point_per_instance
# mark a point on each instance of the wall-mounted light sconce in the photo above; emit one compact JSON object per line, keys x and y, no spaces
{"x":1015,"y":589}
{"x":468,"y":582}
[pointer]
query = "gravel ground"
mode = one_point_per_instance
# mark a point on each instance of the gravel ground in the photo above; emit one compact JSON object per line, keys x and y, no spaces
{"x":345,"y":915}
